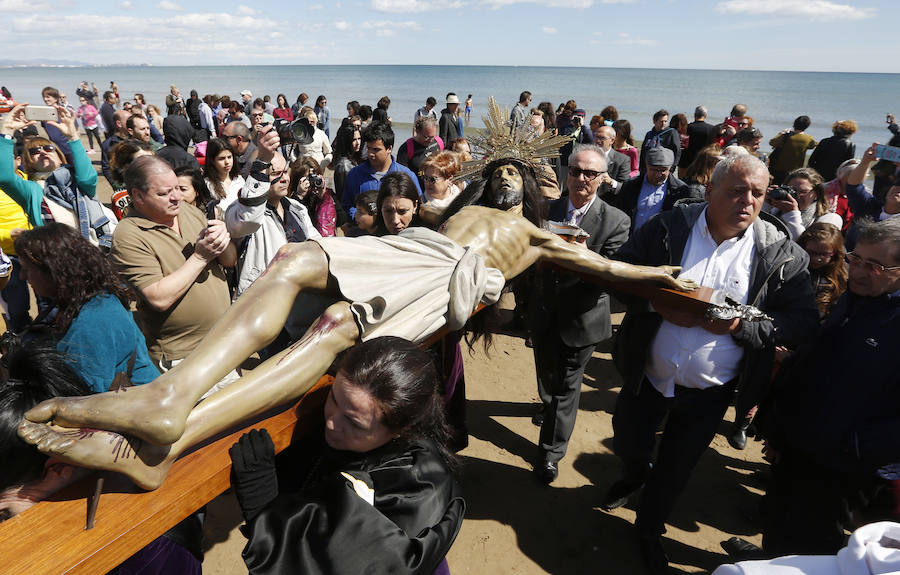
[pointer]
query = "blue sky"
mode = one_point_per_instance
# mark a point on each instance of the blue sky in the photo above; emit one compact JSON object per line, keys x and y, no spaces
{"x":824,"y":35}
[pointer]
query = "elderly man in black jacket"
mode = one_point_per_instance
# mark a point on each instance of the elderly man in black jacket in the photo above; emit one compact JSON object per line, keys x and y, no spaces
{"x":570,"y":316}
{"x":688,"y":367}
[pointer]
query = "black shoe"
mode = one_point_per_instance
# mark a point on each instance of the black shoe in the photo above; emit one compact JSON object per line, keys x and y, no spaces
{"x":653,"y":555}
{"x":546,"y":471}
{"x":742,"y":550}
{"x":538,"y":418}
{"x":738,"y":438}
{"x":620,"y":492}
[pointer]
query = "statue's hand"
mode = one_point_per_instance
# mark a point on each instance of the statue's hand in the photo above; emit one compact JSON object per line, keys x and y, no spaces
{"x":670,"y":280}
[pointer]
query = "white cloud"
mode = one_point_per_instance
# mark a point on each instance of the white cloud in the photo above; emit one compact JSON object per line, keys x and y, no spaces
{"x":201,"y":37}
{"x":388,"y":28}
{"x":316,"y":7}
{"x":406,"y":6}
{"x":22,"y":6}
{"x":556,"y":3}
{"x":812,"y":9}
{"x":245,"y":10}
{"x":342,"y":25}
{"x":126,"y":5}
{"x":548,"y":30}
{"x":629,"y":40}
{"x":169,"y":6}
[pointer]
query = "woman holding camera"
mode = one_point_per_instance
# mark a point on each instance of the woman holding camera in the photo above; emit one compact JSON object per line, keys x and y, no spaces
{"x":308,"y":186}
{"x":799,"y":201}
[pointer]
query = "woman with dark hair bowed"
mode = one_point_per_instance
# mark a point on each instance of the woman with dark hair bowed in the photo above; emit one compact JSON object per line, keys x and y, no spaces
{"x":54,"y":190}
{"x":376,"y":494}
{"x":680,"y":123}
{"x":609,"y":115}
{"x":93,"y":322}
{"x":222,"y":172}
{"x":825,"y":245}
{"x":834,"y":150}
{"x":398,"y":204}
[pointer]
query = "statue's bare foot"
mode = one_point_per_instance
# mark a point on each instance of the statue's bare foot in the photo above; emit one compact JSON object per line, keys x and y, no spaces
{"x":146,"y":464}
{"x":148,"y":411}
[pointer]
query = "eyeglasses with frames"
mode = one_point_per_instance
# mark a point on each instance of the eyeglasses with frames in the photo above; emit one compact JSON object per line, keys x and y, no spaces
{"x":874,"y":268}
{"x":589,"y":175}
{"x":433,"y":179}
{"x":822,"y":255}
{"x":49,"y":148}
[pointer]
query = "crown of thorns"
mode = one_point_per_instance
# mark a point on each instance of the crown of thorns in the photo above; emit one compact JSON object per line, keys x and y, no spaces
{"x":500,"y":141}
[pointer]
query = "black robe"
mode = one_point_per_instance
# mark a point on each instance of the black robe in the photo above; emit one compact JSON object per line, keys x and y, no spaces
{"x":326,"y":527}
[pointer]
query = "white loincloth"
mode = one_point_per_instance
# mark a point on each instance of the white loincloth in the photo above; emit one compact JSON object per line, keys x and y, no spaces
{"x":412,"y":284}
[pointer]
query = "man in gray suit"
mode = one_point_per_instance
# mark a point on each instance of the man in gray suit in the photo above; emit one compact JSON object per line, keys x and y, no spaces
{"x":618,"y":165}
{"x":568,"y":316}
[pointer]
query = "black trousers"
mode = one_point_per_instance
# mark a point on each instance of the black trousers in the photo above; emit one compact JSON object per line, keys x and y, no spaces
{"x":560,"y":371}
{"x":693,"y":417}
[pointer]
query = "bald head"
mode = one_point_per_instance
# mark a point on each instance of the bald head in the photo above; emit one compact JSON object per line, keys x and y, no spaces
{"x":121,"y":119}
{"x":141,"y":170}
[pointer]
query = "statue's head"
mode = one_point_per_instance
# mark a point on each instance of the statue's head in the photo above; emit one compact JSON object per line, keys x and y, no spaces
{"x":506,"y":186}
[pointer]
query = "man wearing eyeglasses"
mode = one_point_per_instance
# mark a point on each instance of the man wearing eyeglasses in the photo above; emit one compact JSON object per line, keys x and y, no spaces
{"x":571,"y":316}
{"x":832,"y":428}
{"x":646,"y":195}
{"x":684,"y":368}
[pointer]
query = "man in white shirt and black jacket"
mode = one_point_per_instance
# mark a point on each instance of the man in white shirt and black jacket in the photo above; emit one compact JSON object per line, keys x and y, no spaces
{"x":687,"y":366}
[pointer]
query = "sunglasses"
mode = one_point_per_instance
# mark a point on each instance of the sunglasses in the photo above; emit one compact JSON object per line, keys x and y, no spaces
{"x":45,"y":148}
{"x":589,"y":175}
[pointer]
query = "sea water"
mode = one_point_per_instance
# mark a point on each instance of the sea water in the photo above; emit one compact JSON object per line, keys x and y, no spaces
{"x":773,"y":99}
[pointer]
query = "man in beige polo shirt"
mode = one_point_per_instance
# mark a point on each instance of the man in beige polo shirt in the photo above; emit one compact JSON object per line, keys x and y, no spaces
{"x":173,"y":257}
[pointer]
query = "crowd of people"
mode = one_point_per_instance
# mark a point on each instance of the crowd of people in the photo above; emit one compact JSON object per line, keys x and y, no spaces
{"x":219,"y":197}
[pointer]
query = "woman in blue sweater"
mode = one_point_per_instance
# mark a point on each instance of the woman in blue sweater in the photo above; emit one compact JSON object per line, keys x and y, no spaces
{"x":93,"y":322}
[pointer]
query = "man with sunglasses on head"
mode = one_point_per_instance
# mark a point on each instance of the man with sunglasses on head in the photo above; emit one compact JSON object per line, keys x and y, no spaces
{"x":832,"y":427}
{"x":571,"y":316}
{"x":655,"y":191}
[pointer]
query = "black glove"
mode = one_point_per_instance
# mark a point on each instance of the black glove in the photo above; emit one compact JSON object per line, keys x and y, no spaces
{"x":253,"y":472}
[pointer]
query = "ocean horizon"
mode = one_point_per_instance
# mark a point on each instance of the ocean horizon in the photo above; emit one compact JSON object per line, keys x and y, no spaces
{"x":773,"y":98}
